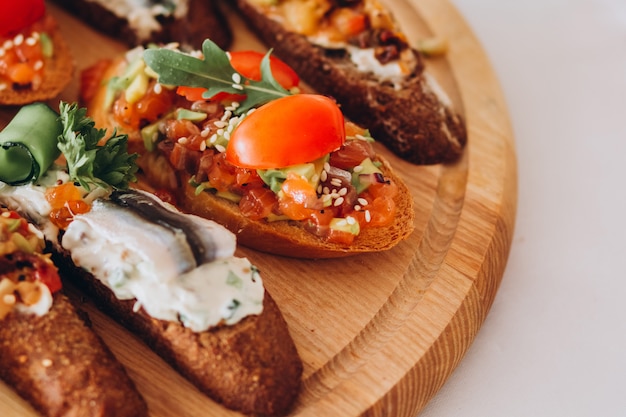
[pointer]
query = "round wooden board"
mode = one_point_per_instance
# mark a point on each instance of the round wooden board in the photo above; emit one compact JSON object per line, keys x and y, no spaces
{"x":378,"y":334}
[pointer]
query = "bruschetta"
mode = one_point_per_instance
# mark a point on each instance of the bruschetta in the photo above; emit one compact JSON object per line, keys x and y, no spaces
{"x":35,"y":61}
{"x":355,"y":51}
{"x":141,"y":22}
{"x":48,"y":352}
{"x":171,"y":278}
{"x":230,"y":137}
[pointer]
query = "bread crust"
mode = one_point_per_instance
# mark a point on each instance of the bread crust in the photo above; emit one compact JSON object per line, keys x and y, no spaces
{"x":58,"y":72}
{"x":58,"y":364}
{"x":205,"y":20}
{"x":252,"y":366}
{"x":412,"y":121}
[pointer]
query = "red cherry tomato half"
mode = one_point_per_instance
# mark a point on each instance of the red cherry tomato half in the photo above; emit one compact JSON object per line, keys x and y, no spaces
{"x":248,"y":64}
{"x":287,"y":131}
{"x":16,"y":15}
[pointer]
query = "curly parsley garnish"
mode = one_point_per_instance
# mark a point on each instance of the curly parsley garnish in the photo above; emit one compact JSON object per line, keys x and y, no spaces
{"x":215,"y":73}
{"x":88,"y":162}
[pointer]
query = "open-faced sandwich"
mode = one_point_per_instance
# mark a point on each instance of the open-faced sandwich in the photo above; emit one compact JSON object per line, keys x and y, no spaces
{"x":171,"y":278}
{"x":35,"y":61}
{"x":229,"y":137}
{"x":355,"y":51}
{"x":48,"y":353}
{"x":140,"y":22}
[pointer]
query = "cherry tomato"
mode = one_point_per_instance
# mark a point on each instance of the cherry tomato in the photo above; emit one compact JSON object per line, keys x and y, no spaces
{"x":248,"y":64}
{"x":16,"y":15}
{"x":287,"y":131}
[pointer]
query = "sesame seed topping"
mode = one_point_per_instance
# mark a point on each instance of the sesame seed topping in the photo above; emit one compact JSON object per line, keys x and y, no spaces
{"x":362,"y":201}
{"x":368,"y":216}
{"x":213,"y":138}
{"x":342,"y":223}
{"x":46,"y":363}
{"x":351,"y":220}
{"x":357,"y":207}
{"x":220,"y":132}
{"x":338,"y":202}
{"x":326,"y":166}
{"x":136,"y":306}
{"x":326,"y":190}
{"x":359,"y":136}
{"x":237,"y":87}
{"x":358,"y":168}
{"x":324,"y":175}
{"x":183,"y":140}
{"x":336,"y":182}
{"x":220,"y":148}
{"x":227,"y":114}
{"x":38,"y":65}
{"x":227,"y":135}
{"x":343,"y":191}
{"x":236,"y":78}
{"x":31,"y":41}
{"x":18,"y":40}
{"x":202,"y":145}
{"x":8,"y":44}
{"x":2,"y":52}
{"x":319,"y":189}
{"x":220,"y":124}
{"x":158,"y":88}
{"x":205,"y":132}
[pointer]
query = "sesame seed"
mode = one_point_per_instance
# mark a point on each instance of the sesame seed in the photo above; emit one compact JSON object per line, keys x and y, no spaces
{"x":5,"y":214}
{"x":183,"y":140}
{"x":227,"y":114}
{"x":336,"y":182}
{"x":220,"y":132}
{"x":136,"y":306}
{"x":319,"y":189}
{"x":235,"y":104}
{"x":9,"y":299}
{"x":38,"y":65}
{"x":326,"y":198}
{"x":338,"y":202}
{"x":358,"y":168}
{"x":35,"y":35}
{"x":220,"y":124}
{"x":357,"y":207}
{"x":220,"y":148}
{"x":368,"y":216}
{"x":30,"y":41}
{"x":342,"y":223}
{"x":326,"y":190}
{"x":46,"y":363}
{"x":362,"y":201}
{"x":2,"y":52}
{"x":227,"y":135}
{"x":213,"y":138}
{"x":351,"y":220}
{"x":326,"y":166}
{"x":343,"y":191}
{"x":158,"y":88}
{"x":236,"y":78}
{"x":205,"y":132}
{"x":237,"y":86}
{"x":18,"y":40}
{"x":8,"y":44}
{"x":359,"y":136}
{"x":324,"y":175}
{"x":202,"y":145}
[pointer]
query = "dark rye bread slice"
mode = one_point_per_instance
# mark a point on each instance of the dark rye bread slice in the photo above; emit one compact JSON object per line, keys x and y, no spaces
{"x":58,"y":72}
{"x":252,"y":366}
{"x":204,"y":20}
{"x":413,"y":121}
{"x":60,"y":366}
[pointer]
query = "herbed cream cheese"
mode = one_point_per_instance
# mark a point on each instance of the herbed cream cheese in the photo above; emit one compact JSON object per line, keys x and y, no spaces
{"x":142,"y":14}
{"x":138,"y":260}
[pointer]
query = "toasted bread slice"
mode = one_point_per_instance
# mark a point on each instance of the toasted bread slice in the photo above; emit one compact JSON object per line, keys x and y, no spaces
{"x":411,"y":114}
{"x":58,"y":71}
{"x":48,"y":352}
{"x":189,"y":22}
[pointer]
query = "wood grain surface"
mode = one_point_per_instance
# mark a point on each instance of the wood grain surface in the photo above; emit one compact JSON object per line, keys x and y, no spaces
{"x":378,"y":334}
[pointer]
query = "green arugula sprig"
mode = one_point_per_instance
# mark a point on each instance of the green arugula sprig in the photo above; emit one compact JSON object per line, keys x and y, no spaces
{"x":215,"y":73}
{"x":88,"y":162}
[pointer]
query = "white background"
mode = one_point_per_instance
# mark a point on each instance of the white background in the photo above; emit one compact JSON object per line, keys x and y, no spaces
{"x":554,"y":343}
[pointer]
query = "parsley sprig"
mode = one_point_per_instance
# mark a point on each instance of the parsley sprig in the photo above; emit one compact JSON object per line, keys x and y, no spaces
{"x":90,"y":163}
{"x":215,"y":73}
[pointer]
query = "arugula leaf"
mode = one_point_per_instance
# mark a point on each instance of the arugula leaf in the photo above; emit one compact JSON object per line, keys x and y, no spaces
{"x":91,"y":164}
{"x":215,"y":73}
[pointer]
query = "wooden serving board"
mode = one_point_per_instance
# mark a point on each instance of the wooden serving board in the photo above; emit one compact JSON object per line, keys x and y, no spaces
{"x":378,"y":334}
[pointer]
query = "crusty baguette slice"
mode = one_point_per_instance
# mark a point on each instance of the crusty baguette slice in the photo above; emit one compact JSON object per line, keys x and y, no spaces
{"x":415,"y":121}
{"x":58,"y":72}
{"x":252,"y":366}
{"x":58,"y":364}
{"x":201,"y":19}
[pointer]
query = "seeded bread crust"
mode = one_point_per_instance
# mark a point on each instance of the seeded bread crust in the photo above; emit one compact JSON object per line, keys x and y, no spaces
{"x":413,"y":121}
{"x":58,"y":72}
{"x":58,"y":364}
{"x":205,"y":20}
{"x":252,"y":366}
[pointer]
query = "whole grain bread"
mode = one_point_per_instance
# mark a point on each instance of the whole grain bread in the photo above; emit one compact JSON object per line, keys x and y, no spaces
{"x":252,"y":366}
{"x":414,"y":121}
{"x":58,"y":364}
{"x":204,"y":20}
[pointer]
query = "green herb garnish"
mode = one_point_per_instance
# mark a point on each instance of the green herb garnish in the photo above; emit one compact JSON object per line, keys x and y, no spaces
{"x":88,"y":162}
{"x":215,"y":73}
